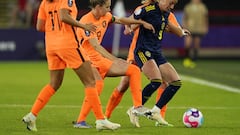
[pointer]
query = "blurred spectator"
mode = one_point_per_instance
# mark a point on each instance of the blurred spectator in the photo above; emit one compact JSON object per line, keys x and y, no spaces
{"x":195,"y":19}
{"x":24,"y":13}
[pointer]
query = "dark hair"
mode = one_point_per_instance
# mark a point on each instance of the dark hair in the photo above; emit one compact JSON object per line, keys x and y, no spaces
{"x":94,"y":3}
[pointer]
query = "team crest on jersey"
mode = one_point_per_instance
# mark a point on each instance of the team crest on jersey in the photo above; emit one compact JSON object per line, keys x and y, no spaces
{"x":138,"y":11}
{"x":150,"y":8}
{"x":148,"y":54}
{"x":87,"y":33}
{"x":70,"y":3}
{"x":104,"y":23}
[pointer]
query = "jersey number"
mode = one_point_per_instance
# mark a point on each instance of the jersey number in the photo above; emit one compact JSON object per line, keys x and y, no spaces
{"x":54,"y":16}
{"x":160,"y":34}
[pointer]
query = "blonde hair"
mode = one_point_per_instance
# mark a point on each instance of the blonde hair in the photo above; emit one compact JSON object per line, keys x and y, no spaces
{"x":148,"y":1}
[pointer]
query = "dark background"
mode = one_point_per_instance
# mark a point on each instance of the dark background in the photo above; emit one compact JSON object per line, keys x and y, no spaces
{"x":211,"y":4}
{"x":221,"y":12}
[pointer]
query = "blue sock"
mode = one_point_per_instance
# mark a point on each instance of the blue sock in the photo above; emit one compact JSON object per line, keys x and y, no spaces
{"x":168,"y":93}
{"x":150,"y":89}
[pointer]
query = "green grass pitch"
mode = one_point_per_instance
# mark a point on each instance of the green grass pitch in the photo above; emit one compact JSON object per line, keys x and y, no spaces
{"x":20,"y":83}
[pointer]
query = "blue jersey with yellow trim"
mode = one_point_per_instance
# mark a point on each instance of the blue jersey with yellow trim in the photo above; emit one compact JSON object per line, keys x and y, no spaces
{"x":147,"y":39}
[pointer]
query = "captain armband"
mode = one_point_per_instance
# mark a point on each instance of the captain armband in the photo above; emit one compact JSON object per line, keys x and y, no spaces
{"x":113,"y":19}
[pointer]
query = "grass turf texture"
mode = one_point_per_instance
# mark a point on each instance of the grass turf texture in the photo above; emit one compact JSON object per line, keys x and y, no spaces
{"x":21,"y":82}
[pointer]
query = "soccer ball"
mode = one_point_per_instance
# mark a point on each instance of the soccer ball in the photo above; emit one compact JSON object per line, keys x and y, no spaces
{"x":193,"y":118}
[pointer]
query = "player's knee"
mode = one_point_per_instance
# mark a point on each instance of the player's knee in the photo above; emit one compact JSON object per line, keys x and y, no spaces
{"x":176,"y":85}
{"x":134,"y":69}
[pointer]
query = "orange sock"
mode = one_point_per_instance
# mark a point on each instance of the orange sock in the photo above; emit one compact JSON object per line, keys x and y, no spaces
{"x":84,"y":111}
{"x":42,"y":99}
{"x":113,"y":101}
{"x":99,"y":85}
{"x":159,"y":93}
{"x":93,"y":99}
{"x":86,"y":107}
{"x":134,"y":74}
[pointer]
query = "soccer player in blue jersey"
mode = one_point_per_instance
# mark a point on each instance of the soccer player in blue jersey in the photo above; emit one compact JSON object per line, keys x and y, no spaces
{"x":148,"y":55}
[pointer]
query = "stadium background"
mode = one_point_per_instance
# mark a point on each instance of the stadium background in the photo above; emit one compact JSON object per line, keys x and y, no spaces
{"x":213,"y":86}
{"x":222,"y":41}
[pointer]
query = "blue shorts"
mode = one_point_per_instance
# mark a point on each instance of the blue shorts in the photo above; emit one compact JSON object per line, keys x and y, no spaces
{"x":141,"y":56}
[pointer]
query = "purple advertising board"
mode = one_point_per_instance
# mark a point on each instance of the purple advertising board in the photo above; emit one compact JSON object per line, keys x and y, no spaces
{"x":28,"y":44}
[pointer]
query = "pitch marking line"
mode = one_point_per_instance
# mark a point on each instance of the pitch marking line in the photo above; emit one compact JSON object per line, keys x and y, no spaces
{"x":120,"y":107}
{"x":211,"y":84}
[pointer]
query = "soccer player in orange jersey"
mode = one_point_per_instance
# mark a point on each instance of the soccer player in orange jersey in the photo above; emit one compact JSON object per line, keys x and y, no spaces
{"x":105,"y":64}
{"x":57,"y":19}
{"x":124,"y":83}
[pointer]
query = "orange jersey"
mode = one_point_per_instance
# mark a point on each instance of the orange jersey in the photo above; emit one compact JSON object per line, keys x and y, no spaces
{"x":58,"y":35}
{"x":101,"y":63}
{"x":102,"y":25}
{"x":171,"y":18}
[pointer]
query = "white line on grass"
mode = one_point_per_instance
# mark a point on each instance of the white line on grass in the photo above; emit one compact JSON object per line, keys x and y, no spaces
{"x":211,"y":84}
{"x":121,"y":107}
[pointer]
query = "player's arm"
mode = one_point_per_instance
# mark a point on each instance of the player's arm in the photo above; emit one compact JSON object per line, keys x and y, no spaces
{"x":99,"y":48}
{"x":130,"y":20}
{"x":67,"y":18}
{"x":130,"y":28}
{"x":178,"y":30}
{"x":40,"y":26}
{"x":41,"y":18}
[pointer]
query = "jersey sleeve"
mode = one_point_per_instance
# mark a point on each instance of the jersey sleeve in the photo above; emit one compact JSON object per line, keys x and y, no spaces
{"x":110,"y":17}
{"x":41,"y":11}
{"x":67,"y":4}
{"x":138,"y":13}
{"x":173,"y":20}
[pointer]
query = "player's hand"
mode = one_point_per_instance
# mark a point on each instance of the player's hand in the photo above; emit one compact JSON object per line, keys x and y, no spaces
{"x":149,"y":26}
{"x":185,"y":32}
{"x":90,"y":27}
{"x":127,"y":30}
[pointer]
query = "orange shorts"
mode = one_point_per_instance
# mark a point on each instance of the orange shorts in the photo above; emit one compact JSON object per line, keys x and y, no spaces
{"x":102,"y":64}
{"x":66,"y":58}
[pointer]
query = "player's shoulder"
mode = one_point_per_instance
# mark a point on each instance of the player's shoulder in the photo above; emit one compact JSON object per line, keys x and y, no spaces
{"x":140,"y":9}
{"x":87,"y":17}
{"x":108,"y":15}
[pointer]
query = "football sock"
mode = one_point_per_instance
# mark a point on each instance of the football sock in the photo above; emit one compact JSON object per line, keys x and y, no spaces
{"x":159,"y":93}
{"x":99,"y":86}
{"x":86,"y":107}
{"x":113,"y":101}
{"x":150,"y":89}
{"x":134,"y":74}
{"x":42,"y":99}
{"x":84,"y":111}
{"x":94,"y":100}
{"x":168,"y":93}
